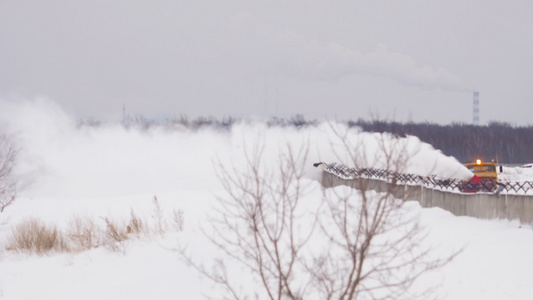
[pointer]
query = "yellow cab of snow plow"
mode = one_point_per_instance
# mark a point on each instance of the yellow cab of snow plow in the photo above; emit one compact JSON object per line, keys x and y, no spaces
{"x":485,"y":170}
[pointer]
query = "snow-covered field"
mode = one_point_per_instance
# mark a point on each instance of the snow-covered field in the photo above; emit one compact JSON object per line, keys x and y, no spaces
{"x":109,"y":171}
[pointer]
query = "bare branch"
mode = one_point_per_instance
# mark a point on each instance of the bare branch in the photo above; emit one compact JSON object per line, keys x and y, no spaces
{"x":257,"y":222}
{"x":8,"y":188}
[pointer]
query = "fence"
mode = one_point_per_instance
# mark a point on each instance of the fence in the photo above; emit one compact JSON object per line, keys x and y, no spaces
{"x":433,"y":181}
{"x":431,"y":192}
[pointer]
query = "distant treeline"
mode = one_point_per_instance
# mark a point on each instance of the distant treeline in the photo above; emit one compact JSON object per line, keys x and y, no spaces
{"x":497,"y":140}
{"x":186,"y":122}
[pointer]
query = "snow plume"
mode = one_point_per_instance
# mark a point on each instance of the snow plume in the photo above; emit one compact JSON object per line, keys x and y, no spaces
{"x":370,"y":150}
{"x":58,"y":157}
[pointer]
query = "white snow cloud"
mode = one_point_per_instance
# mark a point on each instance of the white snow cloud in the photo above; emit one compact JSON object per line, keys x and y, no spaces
{"x":58,"y":157}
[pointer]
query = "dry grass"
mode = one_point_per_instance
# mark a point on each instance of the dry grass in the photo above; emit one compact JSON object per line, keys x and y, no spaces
{"x":160,"y":224}
{"x":136,"y":226}
{"x":179,"y":220}
{"x":33,"y":236}
{"x":85,"y":233}
{"x":116,"y":236}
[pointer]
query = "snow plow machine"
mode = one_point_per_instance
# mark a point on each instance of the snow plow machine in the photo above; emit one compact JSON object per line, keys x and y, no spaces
{"x":485,"y":178}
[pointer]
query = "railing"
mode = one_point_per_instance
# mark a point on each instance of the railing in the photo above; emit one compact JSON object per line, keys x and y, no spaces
{"x":432,"y":181}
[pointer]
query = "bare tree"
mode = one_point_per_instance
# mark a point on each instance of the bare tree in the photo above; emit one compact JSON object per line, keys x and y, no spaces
{"x":8,"y":191}
{"x":367,"y":245}
{"x":258,"y":222}
{"x":376,"y":246}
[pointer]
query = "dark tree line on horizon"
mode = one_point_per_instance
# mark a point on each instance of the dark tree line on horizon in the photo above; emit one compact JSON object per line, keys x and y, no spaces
{"x":497,"y":140}
{"x":500,"y":141}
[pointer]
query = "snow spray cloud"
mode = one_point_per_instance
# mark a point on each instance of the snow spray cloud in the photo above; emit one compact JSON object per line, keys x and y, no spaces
{"x":59,"y":158}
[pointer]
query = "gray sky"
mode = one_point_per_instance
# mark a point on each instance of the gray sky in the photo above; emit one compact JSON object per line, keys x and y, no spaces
{"x":402,"y":60}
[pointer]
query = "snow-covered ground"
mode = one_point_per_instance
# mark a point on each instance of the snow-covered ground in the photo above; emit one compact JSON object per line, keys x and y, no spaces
{"x":516,"y":173}
{"x":65,"y":171}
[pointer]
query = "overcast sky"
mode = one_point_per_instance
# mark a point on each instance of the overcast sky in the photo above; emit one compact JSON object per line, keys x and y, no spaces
{"x":401,"y":60}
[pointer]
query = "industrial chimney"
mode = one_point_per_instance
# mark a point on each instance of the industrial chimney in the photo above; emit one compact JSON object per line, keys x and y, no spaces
{"x":475,"y":112}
